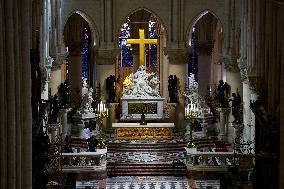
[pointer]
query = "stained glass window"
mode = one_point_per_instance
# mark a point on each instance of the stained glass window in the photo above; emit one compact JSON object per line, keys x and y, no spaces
{"x":151,"y":50}
{"x":193,"y":58}
{"x":125,"y":59}
{"x":85,"y":53}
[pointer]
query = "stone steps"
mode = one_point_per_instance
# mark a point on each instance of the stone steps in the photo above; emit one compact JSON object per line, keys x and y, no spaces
{"x":144,"y":159}
{"x":127,"y":169}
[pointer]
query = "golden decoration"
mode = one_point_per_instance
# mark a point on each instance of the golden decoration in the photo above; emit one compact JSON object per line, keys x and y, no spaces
{"x":141,"y":42}
{"x":143,"y":133}
{"x":139,"y":108}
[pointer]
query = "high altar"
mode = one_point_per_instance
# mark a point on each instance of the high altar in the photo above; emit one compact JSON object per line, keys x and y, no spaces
{"x":141,"y":95}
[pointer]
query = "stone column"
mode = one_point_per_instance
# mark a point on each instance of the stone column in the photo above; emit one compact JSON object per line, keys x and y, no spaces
{"x":75,"y":73}
{"x":177,"y":66}
{"x":238,"y":130}
{"x":56,"y":72}
{"x":246,"y":111}
{"x":233,"y":78}
{"x":63,"y":122}
{"x":54,"y":132}
{"x":112,"y":108}
{"x":224,"y":116}
{"x":15,"y":95}
{"x":106,"y":59}
{"x":204,"y":67}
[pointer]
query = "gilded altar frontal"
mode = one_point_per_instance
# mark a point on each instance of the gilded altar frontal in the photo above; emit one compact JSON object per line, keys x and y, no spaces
{"x":139,"y":108}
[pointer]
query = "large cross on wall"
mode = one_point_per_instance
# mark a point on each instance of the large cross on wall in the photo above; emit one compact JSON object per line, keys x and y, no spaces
{"x":141,"y":42}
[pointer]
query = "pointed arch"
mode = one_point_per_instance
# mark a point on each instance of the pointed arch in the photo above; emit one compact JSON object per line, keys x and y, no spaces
{"x":94,"y":31}
{"x":196,"y":19}
{"x":135,"y":10}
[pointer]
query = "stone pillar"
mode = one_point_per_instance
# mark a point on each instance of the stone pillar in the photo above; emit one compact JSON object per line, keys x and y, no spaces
{"x":112,"y":108}
{"x":246,"y":111}
{"x":177,"y":66}
{"x":77,"y":128}
{"x":15,"y":95}
{"x":106,"y":59}
{"x":164,"y":69}
{"x":204,"y":67}
{"x":75,"y":73}
{"x":56,"y":73}
{"x":238,"y":129}
{"x":54,"y":132}
{"x":223,"y":126}
{"x":63,"y":121}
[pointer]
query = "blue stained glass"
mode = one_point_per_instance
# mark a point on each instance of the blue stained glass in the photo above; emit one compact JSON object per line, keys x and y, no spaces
{"x":125,"y":59}
{"x":85,"y":54}
{"x":152,"y":49}
{"x":193,"y":58}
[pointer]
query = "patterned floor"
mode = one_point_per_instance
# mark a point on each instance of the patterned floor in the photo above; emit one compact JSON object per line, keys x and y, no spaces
{"x":148,"y":183}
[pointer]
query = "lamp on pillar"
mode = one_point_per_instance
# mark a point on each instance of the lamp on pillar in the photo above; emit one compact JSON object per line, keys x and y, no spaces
{"x":191,"y":113}
{"x":101,"y":113}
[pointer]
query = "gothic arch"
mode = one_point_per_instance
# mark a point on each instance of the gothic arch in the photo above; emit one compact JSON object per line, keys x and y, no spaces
{"x":94,"y":32}
{"x":133,"y":11}
{"x":196,"y":19}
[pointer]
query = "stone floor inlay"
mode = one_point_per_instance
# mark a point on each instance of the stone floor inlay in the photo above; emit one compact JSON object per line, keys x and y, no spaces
{"x":148,"y":182}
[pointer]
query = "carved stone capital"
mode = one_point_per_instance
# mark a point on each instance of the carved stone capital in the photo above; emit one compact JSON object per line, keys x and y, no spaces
{"x":177,"y":55}
{"x":230,"y":63}
{"x":59,"y":60}
{"x":107,"y":55}
{"x":242,"y":63}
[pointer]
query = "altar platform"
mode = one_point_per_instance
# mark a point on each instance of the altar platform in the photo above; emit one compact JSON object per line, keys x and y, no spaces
{"x":131,"y":131}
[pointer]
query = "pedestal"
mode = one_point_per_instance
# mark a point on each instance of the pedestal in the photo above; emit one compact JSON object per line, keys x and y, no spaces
{"x":54,"y":131}
{"x":79,"y":124}
{"x":171,"y":111}
{"x":223,"y":126}
{"x":238,"y":130}
{"x":63,"y":120}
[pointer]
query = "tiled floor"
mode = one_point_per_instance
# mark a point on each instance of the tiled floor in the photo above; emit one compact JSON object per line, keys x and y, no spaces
{"x":148,"y":183}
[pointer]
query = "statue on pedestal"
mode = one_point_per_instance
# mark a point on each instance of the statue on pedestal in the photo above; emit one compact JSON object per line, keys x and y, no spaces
{"x":63,"y":94}
{"x":223,"y":92}
{"x":236,"y":105}
{"x":54,"y":109}
{"x":84,"y":86}
{"x":86,"y":105}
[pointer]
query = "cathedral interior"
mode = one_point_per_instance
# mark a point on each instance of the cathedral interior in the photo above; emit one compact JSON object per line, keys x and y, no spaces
{"x":153,"y":94}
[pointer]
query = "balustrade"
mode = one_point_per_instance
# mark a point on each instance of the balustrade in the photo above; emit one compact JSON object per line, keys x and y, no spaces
{"x":208,"y":161}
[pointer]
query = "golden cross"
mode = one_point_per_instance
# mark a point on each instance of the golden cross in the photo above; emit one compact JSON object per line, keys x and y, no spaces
{"x":141,"y":42}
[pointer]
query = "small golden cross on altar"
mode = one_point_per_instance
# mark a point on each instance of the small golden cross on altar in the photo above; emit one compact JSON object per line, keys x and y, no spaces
{"x":141,"y":42}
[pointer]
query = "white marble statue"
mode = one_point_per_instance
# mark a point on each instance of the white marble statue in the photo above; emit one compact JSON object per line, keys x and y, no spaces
{"x":84,"y":86}
{"x":86,"y":105}
{"x":141,"y":85}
